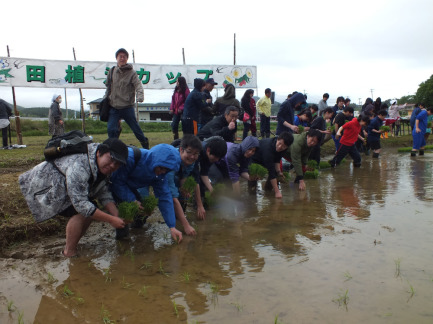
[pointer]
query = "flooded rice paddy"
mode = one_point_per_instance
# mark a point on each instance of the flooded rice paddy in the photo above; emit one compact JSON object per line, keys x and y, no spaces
{"x":355,"y":247}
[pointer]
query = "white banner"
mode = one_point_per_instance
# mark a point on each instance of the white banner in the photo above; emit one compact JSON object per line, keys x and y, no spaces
{"x":21,"y":72}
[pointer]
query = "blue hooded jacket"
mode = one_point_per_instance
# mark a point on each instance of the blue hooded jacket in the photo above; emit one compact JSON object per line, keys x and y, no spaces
{"x":287,"y":113}
{"x":129,"y":178}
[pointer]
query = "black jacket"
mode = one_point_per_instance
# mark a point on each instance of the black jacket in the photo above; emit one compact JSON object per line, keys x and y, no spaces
{"x":217,"y":127}
{"x":267,"y":156}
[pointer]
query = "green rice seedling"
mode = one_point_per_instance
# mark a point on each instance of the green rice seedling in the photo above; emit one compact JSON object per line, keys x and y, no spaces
{"x":79,"y":300}
{"x":142,"y":292}
{"x":20,"y":317}
{"x":429,"y":124}
{"x":397,"y":267}
{"x":210,"y":199}
{"x":411,"y":291}
{"x":285,"y":178}
{"x":311,"y":165}
{"x":148,"y":204}
{"x":238,"y":306}
{"x":384,"y":128}
{"x":189,"y":185}
{"x":11,"y":306}
{"x":131,"y":254}
{"x":343,"y":299}
{"x":324,"y":165}
{"x":300,"y":129}
{"x":186,"y":276}
{"x":175,"y":308}
{"x":126,"y":285}
{"x":107,"y":273}
{"x":347,"y":275}
{"x":311,"y":174}
{"x":161,"y":269}
{"x":51,"y":278}
{"x":67,"y":292}
{"x":214,"y":288}
{"x":106,"y":316}
{"x":146,"y":265}
{"x":256,"y":170}
{"x":128,"y":210}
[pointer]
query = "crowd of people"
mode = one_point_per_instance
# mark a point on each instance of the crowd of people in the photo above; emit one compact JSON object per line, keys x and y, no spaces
{"x":87,"y":187}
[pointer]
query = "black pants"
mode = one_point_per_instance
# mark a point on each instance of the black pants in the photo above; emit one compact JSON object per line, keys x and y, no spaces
{"x":5,"y":136}
{"x":343,"y":151}
{"x":265,"y":125}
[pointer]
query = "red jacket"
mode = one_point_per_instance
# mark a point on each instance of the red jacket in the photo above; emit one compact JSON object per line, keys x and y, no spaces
{"x":351,"y":132}
{"x":178,"y":101}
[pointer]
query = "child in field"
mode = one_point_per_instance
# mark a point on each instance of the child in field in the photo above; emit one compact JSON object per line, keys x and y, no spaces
{"x":304,"y":119}
{"x":348,"y":140}
{"x":374,"y":132}
{"x":419,"y":131}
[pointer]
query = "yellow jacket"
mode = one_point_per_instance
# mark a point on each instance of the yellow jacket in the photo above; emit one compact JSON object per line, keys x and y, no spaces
{"x":264,"y":106}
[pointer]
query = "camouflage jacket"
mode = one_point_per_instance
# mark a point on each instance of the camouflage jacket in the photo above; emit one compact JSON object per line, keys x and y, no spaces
{"x":49,"y":190}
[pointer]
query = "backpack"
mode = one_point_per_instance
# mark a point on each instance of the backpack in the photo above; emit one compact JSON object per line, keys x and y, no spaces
{"x":73,"y":142}
{"x":104,"y":105}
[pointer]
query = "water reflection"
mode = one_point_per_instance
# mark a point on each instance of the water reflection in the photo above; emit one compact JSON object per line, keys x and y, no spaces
{"x":281,"y":248}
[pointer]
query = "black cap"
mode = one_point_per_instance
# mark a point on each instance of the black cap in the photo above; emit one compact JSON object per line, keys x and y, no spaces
{"x":211,"y":81}
{"x":117,"y":149}
{"x":122,"y":50}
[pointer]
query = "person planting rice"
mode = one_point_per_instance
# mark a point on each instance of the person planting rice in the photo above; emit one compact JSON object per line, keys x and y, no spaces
{"x":235,"y":163}
{"x":374,"y":132}
{"x":269,"y":154}
{"x":419,"y":131}
{"x":70,"y":185}
{"x":348,"y":140}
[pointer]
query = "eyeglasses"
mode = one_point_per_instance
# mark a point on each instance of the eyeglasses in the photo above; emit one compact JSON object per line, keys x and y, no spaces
{"x":191,"y":153}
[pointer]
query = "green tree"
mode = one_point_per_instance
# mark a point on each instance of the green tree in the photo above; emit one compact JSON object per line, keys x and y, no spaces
{"x":409,"y":99}
{"x":424,"y":93}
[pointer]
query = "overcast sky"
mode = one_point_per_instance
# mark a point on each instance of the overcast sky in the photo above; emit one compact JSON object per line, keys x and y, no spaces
{"x":341,"y":47}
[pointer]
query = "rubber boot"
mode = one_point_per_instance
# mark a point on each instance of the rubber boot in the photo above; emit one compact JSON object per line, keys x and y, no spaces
{"x":175,"y":135}
{"x":412,"y":153}
{"x":386,"y":134}
{"x":421,"y":152}
{"x":375,"y":155}
{"x":145,"y":144}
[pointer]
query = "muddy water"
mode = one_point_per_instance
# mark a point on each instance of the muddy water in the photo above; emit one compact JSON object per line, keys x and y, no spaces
{"x":356,"y":246}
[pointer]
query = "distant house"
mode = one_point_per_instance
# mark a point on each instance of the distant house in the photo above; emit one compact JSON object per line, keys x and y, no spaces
{"x":146,"y":111}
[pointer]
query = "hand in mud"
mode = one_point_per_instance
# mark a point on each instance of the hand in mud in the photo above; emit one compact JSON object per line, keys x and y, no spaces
{"x":301,"y":185}
{"x":189,"y":230}
{"x":176,"y":235}
{"x":201,"y":213}
{"x":117,"y":222}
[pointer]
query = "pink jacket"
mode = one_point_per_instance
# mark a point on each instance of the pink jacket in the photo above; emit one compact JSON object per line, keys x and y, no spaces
{"x":178,"y":101}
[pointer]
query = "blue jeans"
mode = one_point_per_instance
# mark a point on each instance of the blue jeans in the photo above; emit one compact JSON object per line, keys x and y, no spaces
{"x":128,"y":115}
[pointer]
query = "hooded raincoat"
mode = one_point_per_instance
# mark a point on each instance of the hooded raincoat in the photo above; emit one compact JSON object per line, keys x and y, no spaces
{"x":128,"y":179}
{"x":287,"y":113}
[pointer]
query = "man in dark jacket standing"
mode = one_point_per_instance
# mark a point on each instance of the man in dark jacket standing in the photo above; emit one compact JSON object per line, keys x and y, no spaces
{"x":123,"y":86}
{"x":286,"y":114}
{"x":207,"y":113}
{"x":5,"y":113}
{"x":194,"y":104}
{"x":224,"y":126}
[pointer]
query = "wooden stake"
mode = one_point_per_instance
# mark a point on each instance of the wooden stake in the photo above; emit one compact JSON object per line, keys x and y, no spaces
{"x":17,"y":113}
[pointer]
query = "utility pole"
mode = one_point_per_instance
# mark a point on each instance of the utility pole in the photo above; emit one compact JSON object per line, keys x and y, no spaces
{"x":372,"y":97}
{"x":234,"y":49}
{"x":183,"y":55}
{"x":66,"y":104}
{"x":83,"y":125}
{"x":16,"y":113}
{"x":137,"y":116}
